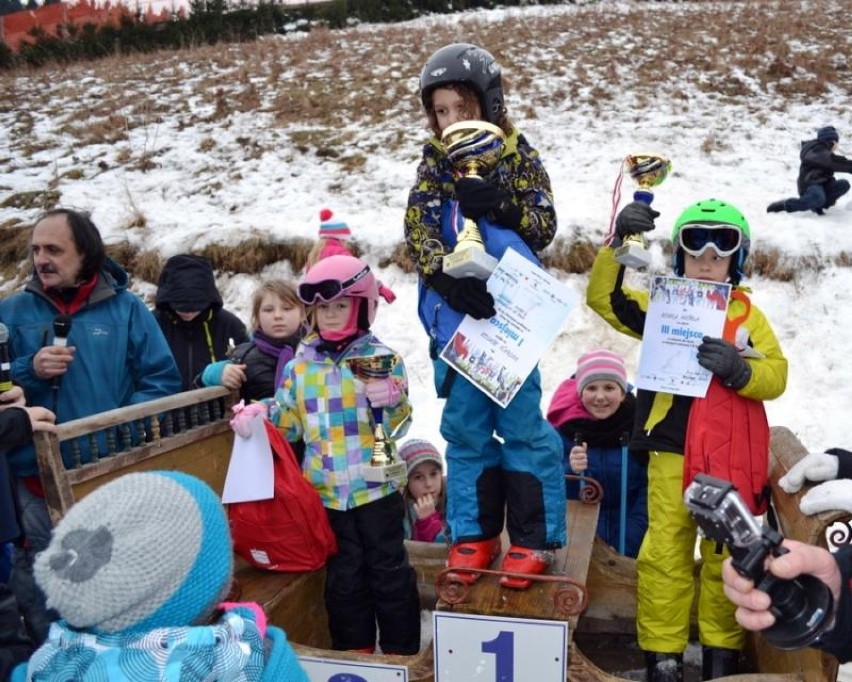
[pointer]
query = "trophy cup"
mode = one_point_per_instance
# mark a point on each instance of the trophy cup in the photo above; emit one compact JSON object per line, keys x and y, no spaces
{"x":473,"y":148}
{"x":385,"y":464}
{"x":648,"y":170}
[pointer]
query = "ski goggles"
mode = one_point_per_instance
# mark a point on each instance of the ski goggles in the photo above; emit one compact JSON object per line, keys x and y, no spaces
{"x":329,"y":289}
{"x":696,"y":238}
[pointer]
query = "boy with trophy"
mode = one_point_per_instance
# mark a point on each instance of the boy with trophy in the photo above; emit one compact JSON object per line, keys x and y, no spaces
{"x":346,"y":395}
{"x":711,"y":241}
{"x":480,"y":189}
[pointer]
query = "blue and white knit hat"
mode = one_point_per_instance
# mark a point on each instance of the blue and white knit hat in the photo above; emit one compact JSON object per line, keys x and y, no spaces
{"x":828,"y":134}
{"x":145,"y":550}
{"x":331,"y":228}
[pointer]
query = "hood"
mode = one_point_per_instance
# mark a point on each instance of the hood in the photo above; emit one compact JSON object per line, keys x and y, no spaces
{"x":187,"y":284}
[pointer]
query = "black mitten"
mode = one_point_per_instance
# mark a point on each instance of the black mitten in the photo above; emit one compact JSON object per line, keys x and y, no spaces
{"x":477,"y":197}
{"x":466,"y":294}
{"x":723,"y":359}
{"x":636,"y":217}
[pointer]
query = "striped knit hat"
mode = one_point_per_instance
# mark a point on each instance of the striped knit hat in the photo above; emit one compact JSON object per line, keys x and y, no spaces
{"x":331,"y":228}
{"x":146,"y":550}
{"x":417,"y":451}
{"x":600,"y":365}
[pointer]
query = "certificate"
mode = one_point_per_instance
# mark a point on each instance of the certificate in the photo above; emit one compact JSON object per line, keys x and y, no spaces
{"x":498,"y":354}
{"x":681,"y":312}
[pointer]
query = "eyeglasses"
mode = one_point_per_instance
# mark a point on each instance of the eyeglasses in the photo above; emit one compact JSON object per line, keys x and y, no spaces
{"x":328,"y":289}
{"x":696,"y":238}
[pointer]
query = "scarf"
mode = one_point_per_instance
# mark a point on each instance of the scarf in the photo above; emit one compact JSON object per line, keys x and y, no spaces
{"x":281,"y":349}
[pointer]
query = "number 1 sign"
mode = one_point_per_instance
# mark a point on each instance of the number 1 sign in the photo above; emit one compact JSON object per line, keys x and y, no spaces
{"x":492,"y":649}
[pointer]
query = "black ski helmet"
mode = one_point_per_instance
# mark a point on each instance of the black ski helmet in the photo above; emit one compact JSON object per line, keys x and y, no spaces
{"x":470,"y":65}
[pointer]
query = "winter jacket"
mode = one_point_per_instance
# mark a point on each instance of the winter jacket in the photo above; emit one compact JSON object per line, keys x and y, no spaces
{"x":15,"y":429}
{"x":519,"y":173}
{"x":606,"y":440}
{"x":260,"y":371}
{"x":187,"y":284}
{"x":818,"y":164}
{"x":321,"y":402}
{"x":661,"y":418}
{"x":430,"y":529}
{"x":234,"y":649}
{"x":121,"y":357}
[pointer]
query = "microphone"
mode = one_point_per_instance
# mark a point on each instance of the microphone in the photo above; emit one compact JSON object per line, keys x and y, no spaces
{"x":61,"y":328}
{"x":5,"y":363}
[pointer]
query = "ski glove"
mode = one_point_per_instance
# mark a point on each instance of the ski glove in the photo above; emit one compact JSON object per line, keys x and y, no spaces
{"x":723,"y":359}
{"x":478,"y":197}
{"x":828,"y":496}
{"x":636,"y":217}
{"x":815,"y":466}
{"x":244,"y":415}
{"x":383,"y":392}
{"x":468,"y":295}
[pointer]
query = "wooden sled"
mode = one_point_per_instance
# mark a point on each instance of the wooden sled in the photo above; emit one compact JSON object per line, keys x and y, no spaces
{"x":589,"y":585}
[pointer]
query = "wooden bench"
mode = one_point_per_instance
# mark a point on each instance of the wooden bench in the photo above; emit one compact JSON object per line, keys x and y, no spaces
{"x":188,"y":432}
{"x":540,"y":600}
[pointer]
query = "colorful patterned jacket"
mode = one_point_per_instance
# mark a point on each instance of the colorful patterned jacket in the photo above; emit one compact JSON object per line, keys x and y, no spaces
{"x":520,"y":173}
{"x":321,"y":401}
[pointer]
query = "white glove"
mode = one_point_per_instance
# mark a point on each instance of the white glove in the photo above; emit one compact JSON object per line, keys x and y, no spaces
{"x":816,"y":466}
{"x":828,"y":496}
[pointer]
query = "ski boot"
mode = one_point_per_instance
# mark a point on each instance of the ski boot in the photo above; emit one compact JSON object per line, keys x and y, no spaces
{"x":477,"y":554}
{"x":718,"y":662}
{"x":664,"y":667}
{"x":777,"y":206}
{"x":524,"y":560}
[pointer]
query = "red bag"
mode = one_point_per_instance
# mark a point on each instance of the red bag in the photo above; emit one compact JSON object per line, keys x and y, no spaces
{"x":727,"y":435}
{"x":289,"y":532}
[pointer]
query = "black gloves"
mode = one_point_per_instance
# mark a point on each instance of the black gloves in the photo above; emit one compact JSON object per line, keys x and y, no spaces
{"x":636,"y":217}
{"x":478,"y":197}
{"x":723,"y":359}
{"x":467,"y":294}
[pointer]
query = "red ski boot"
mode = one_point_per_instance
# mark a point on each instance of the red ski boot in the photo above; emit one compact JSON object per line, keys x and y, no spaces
{"x":524,"y":560}
{"x":478,"y":554}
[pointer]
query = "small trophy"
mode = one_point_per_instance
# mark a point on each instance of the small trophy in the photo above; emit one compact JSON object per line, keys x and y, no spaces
{"x":648,"y":170}
{"x":385,"y":464}
{"x":473,"y":148}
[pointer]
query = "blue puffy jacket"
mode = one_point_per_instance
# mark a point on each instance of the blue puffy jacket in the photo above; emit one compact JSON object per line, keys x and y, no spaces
{"x":121,"y":356}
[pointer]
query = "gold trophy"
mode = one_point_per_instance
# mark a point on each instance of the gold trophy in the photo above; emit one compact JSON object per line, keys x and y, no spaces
{"x":648,"y":170}
{"x":473,"y":148}
{"x":385,"y":464}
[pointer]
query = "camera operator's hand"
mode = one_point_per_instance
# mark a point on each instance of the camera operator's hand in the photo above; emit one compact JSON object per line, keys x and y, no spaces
{"x":466,"y":294}
{"x":815,"y":466}
{"x":634,"y":218}
{"x":753,"y":604}
{"x":478,"y":197}
{"x":723,"y":359}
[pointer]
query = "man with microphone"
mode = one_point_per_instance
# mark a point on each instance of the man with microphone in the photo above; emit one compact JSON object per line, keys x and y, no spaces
{"x":80,"y":343}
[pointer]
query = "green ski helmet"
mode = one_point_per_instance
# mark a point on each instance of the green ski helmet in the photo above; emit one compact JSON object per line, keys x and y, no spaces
{"x":714,"y":212}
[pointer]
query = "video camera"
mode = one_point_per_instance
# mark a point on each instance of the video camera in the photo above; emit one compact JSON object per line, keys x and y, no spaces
{"x":802,"y":607}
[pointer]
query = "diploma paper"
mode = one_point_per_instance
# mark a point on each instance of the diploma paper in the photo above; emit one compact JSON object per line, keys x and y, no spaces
{"x":498,"y":354}
{"x":680,"y":313}
{"x":250,"y":472}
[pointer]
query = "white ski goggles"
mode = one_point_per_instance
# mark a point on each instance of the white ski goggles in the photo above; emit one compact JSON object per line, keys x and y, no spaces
{"x":696,"y":238}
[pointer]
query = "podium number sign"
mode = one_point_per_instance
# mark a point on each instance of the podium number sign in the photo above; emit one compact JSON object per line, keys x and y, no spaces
{"x":328,"y":670}
{"x":493,"y":649}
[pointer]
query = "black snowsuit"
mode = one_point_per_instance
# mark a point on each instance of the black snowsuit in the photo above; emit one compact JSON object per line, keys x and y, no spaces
{"x":187,"y":284}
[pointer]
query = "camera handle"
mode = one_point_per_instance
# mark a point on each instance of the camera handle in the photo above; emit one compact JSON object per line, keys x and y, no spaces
{"x":802,"y":606}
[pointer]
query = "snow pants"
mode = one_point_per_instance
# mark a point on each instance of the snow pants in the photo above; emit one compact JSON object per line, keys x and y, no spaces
{"x":369,"y":581}
{"x":665,"y":568}
{"x":818,"y":197}
{"x":501,"y":461}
